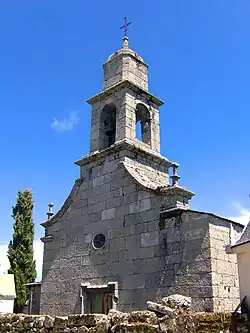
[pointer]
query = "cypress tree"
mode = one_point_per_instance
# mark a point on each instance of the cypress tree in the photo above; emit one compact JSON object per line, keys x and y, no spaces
{"x":20,"y":251}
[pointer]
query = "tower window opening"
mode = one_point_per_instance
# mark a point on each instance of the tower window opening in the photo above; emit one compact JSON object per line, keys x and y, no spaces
{"x":138,"y":130}
{"x":107,"y":126}
{"x":143,"y":124}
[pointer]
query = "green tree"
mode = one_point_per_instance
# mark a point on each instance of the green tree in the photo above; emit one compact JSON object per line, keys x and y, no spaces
{"x":20,"y":251}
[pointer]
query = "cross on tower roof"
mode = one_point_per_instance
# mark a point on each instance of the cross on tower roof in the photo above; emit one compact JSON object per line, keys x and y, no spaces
{"x":125,"y":26}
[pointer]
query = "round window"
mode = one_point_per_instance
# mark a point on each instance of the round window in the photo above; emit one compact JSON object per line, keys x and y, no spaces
{"x":99,"y":241}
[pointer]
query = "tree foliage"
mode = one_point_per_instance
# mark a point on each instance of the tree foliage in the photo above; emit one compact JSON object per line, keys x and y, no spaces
{"x":20,"y":251}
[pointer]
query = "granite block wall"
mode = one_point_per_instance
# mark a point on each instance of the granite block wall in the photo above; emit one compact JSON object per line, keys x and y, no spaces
{"x":108,"y":201}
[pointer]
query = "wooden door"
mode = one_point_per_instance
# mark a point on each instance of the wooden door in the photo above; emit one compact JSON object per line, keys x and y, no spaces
{"x":99,"y":302}
{"x":107,"y":300}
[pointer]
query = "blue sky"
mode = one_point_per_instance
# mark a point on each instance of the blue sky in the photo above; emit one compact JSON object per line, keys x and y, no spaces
{"x":51,"y":62}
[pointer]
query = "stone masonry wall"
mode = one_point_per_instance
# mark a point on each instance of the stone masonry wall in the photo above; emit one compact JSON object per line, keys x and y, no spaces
{"x":224,"y":266}
{"x":135,"y":322}
{"x":125,"y":101}
{"x":187,"y":257}
{"x":109,"y":202}
{"x":196,"y":258}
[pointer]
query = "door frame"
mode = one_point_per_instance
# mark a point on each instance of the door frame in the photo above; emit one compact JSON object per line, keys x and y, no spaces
{"x":87,"y":287}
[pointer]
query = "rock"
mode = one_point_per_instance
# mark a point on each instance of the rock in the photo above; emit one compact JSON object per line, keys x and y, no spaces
{"x":143,"y":317}
{"x":38,"y":321}
{"x":135,"y":328}
{"x":177,"y":301}
{"x":101,"y":327}
{"x":167,"y":322}
{"x":88,"y":320}
{"x":27,"y":320}
{"x":117,"y":317}
{"x":159,"y":308}
{"x":82,"y":329}
{"x":48,"y":322}
{"x":60,"y":322}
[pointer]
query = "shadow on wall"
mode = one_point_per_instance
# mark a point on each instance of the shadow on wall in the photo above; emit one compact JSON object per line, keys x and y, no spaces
{"x":187,"y":269}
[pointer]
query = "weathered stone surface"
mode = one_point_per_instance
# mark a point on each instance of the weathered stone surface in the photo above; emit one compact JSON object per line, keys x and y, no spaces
{"x":135,"y":328}
{"x":61,"y":322}
{"x":49,"y":322}
{"x":176,"y":323}
{"x":87,"y":319}
{"x":177,"y":301}
{"x":159,"y":308}
{"x":101,"y":327}
{"x":143,"y":317}
{"x":116,"y":317}
{"x":82,"y":329}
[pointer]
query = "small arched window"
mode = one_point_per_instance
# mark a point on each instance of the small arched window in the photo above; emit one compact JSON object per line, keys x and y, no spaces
{"x":107,"y":126}
{"x":143,"y":124}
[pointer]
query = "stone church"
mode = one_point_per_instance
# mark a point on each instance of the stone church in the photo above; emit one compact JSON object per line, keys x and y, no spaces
{"x":126,"y":234}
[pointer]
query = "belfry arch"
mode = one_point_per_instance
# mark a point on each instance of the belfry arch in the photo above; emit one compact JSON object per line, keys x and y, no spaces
{"x":142,"y":116}
{"x":107,"y":131}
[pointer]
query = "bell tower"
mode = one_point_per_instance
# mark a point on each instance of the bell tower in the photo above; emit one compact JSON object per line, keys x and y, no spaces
{"x":123,"y":102}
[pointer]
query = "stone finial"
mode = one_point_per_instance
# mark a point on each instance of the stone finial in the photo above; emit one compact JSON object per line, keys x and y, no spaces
{"x":50,"y":213}
{"x":125,"y":42}
{"x":175,"y":177}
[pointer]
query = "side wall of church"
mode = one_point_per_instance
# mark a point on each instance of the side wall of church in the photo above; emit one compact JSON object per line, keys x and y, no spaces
{"x":224,"y":265}
{"x":187,"y":258}
{"x":108,"y":202}
{"x":195,"y":255}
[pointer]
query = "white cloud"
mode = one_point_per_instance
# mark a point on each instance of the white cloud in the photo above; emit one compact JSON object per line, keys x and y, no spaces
{"x":38,"y":254}
{"x":67,"y":123}
{"x":243,"y":214}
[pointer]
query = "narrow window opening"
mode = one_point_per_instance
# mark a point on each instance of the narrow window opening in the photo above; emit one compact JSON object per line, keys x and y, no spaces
{"x":143,"y":124}
{"x":107,"y":126}
{"x":138,"y":130}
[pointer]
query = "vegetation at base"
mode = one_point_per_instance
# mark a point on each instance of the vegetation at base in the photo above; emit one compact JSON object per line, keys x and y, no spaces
{"x":20,"y":251}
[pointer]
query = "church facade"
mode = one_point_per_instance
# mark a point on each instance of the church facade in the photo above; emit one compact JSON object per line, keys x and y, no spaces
{"x":126,"y":234}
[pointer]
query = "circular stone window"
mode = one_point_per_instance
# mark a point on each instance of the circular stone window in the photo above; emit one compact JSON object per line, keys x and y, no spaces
{"x":99,"y":241}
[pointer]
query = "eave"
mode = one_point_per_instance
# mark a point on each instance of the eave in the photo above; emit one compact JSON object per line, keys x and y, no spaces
{"x":124,"y":84}
{"x":129,"y":145}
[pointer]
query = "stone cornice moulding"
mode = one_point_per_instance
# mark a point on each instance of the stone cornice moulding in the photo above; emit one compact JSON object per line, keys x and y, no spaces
{"x":126,"y":144}
{"x":64,"y":207}
{"x":124,"y":84}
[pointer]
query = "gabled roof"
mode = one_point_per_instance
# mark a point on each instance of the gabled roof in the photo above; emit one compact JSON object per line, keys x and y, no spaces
{"x":245,"y":236}
{"x":7,"y":285}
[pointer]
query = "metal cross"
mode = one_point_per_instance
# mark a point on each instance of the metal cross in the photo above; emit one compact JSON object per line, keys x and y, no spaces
{"x":125,"y":26}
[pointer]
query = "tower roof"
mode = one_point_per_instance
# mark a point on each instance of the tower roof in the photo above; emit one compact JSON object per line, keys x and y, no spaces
{"x":125,"y":51}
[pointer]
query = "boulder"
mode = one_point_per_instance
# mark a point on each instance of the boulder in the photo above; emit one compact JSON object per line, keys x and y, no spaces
{"x":159,"y":308}
{"x":60,"y":322}
{"x":49,"y":321}
{"x":82,"y":329}
{"x":38,"y":321}
{"x":148,"y":317}
{"x":177,"y":301}
{"x":117,"y":317}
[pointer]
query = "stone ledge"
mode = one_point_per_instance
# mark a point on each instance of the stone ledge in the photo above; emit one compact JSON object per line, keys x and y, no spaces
{"x":124,"y":84}
{"x":128,"y":145}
